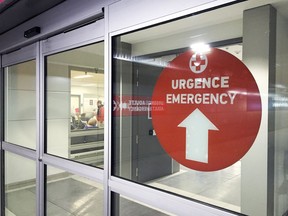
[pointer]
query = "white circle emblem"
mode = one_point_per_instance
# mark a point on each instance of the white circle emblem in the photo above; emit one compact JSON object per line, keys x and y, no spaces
{"x":198,"y":63}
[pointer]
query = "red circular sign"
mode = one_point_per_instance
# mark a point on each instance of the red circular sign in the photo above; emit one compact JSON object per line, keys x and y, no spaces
{"x":206,"y":109}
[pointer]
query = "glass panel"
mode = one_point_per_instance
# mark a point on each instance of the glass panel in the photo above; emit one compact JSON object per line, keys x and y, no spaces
{"x":75,"y":108}
{"x":20,"y":180}
{"x":69,"y":194}
{"x":123,"y":206}
{"x":139,"y":153}
{"x":172,"y":127}
{"x":20,"y":104}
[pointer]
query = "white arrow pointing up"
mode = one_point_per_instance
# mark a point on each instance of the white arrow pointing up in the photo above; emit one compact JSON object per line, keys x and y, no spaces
{"x":197,"y":126}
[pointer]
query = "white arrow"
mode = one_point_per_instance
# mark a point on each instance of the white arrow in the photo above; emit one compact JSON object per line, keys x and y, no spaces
{"x":197,"y":126}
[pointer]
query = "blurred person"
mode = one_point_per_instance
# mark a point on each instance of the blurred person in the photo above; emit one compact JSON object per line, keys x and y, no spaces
{"x":100,"y":113}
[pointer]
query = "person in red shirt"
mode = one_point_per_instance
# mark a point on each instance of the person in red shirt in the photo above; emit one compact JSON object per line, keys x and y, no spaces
{"x":100,"y":113}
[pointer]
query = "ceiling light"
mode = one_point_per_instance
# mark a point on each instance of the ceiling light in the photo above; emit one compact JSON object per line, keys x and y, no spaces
{"x":83,"y":76}
{"x":200,"y":48}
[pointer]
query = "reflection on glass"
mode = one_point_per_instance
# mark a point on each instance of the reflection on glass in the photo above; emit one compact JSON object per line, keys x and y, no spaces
{"x":20,"y":104}
{"x":75,"y":108}
{"x":69,"y":194}
{"x":137,"y":152}
{"x":20,"y":180}
{"x":128,"y":207}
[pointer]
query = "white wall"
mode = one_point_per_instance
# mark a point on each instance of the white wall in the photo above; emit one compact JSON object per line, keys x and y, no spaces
{"x":58,"y":109}
{"x":256,"y":56}
{"x":97,"y":93}
{"x":207,"y":34}
{"x":19,"y":169}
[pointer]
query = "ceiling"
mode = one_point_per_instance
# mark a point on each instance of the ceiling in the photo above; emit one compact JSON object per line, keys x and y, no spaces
{"x":16,"y":12}
{"x":215,"y":25}
{"x":209,"y":19}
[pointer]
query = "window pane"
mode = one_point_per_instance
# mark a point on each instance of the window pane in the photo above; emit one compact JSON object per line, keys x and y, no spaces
{"x":20,"y":104}
{"x":171,"y":130}
{"x":123,"y":206}
{"x":69,"y":194}
{"x":75,"y":108}
{"x":20,"y":180}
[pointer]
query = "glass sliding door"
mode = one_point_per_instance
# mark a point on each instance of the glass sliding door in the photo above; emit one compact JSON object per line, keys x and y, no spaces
{"x":73,"y":115}
{"x":172,"y":128}
{"x":20,"y":131}
{"x":20,"y":185}
{"x":146,"y":152}
{"x":20,"y":104}
{"x":53,"y":136}
{"x":70,"y":194}
{"x":75,"y":104}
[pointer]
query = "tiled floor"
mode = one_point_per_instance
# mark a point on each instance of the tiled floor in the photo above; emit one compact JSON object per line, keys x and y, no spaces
{"x":72,"y":196}
{"x":220,"y":188}
{"x":64,"y":197}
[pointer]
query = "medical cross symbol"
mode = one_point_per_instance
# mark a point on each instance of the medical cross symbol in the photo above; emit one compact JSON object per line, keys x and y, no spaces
{"x":198,"y":63}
